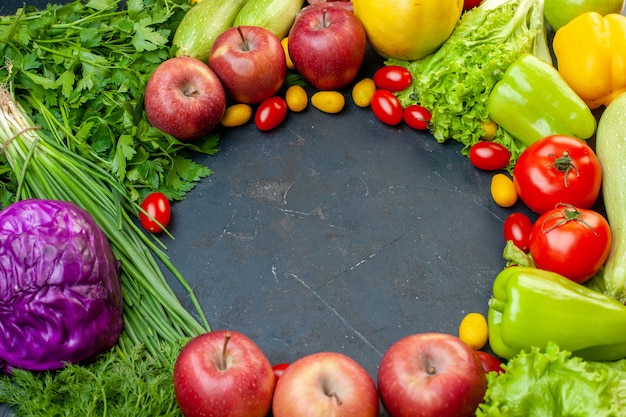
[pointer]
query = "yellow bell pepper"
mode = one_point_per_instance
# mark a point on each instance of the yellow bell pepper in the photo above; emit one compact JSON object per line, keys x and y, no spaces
{"x":591,"y":56}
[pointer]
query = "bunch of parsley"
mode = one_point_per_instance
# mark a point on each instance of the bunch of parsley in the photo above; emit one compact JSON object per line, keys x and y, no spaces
{"x":80,"y":71}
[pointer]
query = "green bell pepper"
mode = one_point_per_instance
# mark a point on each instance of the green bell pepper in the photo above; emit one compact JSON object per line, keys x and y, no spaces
{"x":531,"y":307}
{"x":532,"y":101}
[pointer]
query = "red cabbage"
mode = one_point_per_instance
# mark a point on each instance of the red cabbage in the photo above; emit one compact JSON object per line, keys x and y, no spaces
{"x":60,"y":291}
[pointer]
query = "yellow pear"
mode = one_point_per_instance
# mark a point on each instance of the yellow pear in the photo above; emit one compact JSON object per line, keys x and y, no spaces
{"x":407,"y":29}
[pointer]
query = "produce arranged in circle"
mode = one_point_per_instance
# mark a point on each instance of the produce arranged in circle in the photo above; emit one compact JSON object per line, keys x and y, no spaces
{"x":155,"y":80}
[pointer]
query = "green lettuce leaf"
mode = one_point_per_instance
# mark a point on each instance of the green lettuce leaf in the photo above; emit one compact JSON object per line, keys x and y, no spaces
{"x":553,"y":383}
{"x":455,"y":81}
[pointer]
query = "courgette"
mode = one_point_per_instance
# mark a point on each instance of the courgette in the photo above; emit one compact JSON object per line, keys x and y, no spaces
{"x":202,"y":24}
{"x":611,"y":152}
{"x":277,"y":16}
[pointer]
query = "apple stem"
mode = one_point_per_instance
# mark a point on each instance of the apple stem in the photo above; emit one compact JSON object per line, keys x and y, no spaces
{"x":243,"y":39}
{"x":223,"y":365}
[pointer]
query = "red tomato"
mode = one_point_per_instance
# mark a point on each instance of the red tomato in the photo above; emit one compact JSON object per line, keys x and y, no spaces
{"x":570,"y":241}
{"x":469,"y":4}
{"x":517,"y":228}
{"x":393,"y":78}
{"x":557,"y":169}
{"x":158,"y":207}
{"x":386,"y":107}
{"x":490,"y":363}
{"x":279,"y":369}
{"x":489,"y":156}
{"x":416,"y":116}
{"x":270,"y":113}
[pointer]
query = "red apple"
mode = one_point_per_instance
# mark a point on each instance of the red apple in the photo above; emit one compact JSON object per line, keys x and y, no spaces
{"x":327,"y":45}
{"x":250,"y":62}
{"x":223,"y":374}
{"x":325,"y":384}
{"x":431,"y":374}
{"x":184,"y":98}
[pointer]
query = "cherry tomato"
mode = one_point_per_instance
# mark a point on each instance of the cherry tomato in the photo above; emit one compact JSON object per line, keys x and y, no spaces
{"x":279,"y":369}
{"x":386,"y":107}
{"x":416,"y":117}
{"x":270,"y":113}
{"x":489,"y":156}
{"x":517,"y":228}
{"x":393,"y":78}
{"x":489,"y":362}
{"x":470,"y":4}
{"x":570,"y":241}
{"x":557,"y":169}
{"x":158,"y":208}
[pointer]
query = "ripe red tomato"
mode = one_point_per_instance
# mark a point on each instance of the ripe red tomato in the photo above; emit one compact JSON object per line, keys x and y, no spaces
{"x":469,"y":4}
{"x":158,"y":207}
{"x":570,"y":241}
{"x":393,"y":78}
{"x":386,"y":107}
{"x":270,"y":113}
{"x":417,"y":117}
{"x":489,"y":156}
{"x":517,"y":228}
{"x":489,"y":362}
{"x":279,"y":369}
{"x":557,"y":169}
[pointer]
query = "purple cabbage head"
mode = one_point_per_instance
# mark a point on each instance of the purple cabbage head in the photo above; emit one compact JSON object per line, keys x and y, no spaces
{"x":60,"y":291}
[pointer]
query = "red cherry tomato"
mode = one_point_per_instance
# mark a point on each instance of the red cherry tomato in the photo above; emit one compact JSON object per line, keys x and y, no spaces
{"x":416,"y":117}
{"x":489,"y":156}
{"x":489,"y":362}
{"x":158,"y":207}
{"x":517,"y":228}
{"x":470,"y":4}
{"x":393,"y":78}
{"x":279,"y":369}
{"x":570,"y":241}
{"x":386,"y":107}
{"x":557,"y":169}
{"x":270,"y":113}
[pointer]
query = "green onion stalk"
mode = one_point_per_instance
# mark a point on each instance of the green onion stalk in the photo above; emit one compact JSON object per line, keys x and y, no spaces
{"x":153,"y":314}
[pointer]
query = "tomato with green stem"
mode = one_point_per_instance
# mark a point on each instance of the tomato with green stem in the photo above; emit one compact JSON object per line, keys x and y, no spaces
{"x":156,"y":212}
{"x":570,"y":241}
{"x":557,"y":169}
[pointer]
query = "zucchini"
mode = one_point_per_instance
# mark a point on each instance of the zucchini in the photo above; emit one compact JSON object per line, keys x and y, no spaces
{"x":202,"y":24}
{"x":277,"y":16}
{"x":611,"y":152}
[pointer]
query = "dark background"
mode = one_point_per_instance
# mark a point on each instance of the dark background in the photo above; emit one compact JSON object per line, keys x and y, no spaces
{"x":337,"y":233}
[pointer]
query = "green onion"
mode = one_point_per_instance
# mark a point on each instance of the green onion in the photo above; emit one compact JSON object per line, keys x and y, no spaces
{"x":47,"y":170}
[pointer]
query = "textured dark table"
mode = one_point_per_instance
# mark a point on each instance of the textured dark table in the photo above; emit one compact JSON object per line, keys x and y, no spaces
{"x":336,"y":232}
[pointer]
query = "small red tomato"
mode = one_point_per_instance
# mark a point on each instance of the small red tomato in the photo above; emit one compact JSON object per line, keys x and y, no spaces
{"x":417,"y":117}
{"x":270,"y":113}
{"x":159,"y":210}
{"x":570,"y":241}
{"x":393,"y":78}
{"x":517,"y":228}
{"x":489,"y":156}
{"x":386,"y":107}
{"x":279,"y":369}
{"x":470,"y":4}
{"x":490,"y":363}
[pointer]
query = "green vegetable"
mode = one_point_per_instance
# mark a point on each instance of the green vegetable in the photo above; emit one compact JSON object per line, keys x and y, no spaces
{"x":550,"y":382}
{"x":455,"y":81}
{"x":533,"y":101}
{"x":152,"y":311}
{"x":202,"y":24}
{"x":80,"y":70}
{"x":275,"y":15}
{"x":611,"y":152}
{"x":532,"y":307}
{"x":128,"y":385}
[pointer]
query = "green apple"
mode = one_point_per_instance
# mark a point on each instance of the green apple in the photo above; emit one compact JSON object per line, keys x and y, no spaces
{"x":559,"y":12}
